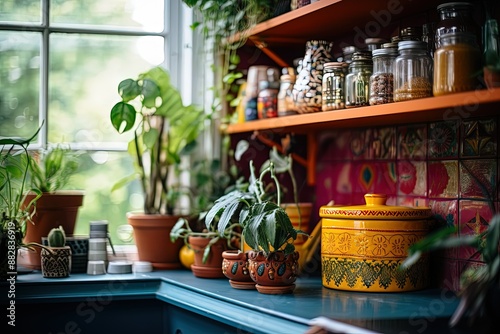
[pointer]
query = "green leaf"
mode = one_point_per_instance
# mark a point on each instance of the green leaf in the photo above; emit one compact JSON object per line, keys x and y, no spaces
{"x":150,"y":92}
{"x":150,"y":137}
{"x":123,"y":116}
{"x":124,"y":181}
{"x":128,"y":89}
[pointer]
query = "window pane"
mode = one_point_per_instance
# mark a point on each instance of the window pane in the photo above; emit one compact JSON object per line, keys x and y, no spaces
{"x":20,"y":10}
{"x":19,"y":82}
{"x":98,"y":172}
{"x":143,"y":14}
{"x":84,"y":75}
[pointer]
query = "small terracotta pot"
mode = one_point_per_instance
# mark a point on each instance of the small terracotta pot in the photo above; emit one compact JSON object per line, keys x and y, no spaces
{"x":235,"y":267}
{"x":212,"y":268}
{"x":275,"y":273}
{"x":52,"y":210}
{"x":57,"y":263}
{"x":152,"y":237}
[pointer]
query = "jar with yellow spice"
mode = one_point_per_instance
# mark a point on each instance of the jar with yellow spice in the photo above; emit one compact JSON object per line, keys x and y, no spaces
{"x":457,"y":63}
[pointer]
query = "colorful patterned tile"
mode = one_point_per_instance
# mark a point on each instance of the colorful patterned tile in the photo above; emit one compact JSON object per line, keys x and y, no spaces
{"x":384,"y":143}
{"x":361,"y":144}
{"x":334,"y":145}
{"x":333,"y":183}
{"x":479,"y":138}
{"x":374,"y":177}
{"x":478,"y":179}
{"x":443,"y":179}
{"x":465,"y":266}
{"x":412,"y":178}
{"x":445,"y":213}
{"x":412,"y":142}
{"x":473,"y":219}
{"x":443,"y":140}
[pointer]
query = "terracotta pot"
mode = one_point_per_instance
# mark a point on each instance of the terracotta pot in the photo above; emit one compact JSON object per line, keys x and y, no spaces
{"x":275,"y":273}
{"x":235,"y":267}
{"x":212,"y":268}
{"x":300,"y":217}
{"x":362,"y":246}
{"x":152,"y":238}
{"x":57,"y":263}
{"x":52,"y":210}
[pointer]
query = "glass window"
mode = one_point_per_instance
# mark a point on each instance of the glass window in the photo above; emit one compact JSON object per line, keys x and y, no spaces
{"x":19,"y":82}
{"x":62,"y":63}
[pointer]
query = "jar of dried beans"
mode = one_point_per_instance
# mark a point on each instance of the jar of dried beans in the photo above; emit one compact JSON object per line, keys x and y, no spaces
{"x":357,"y":81}
{"x":457,"y":64}
{"x":382,"y":79}
{"x":412,"y":71}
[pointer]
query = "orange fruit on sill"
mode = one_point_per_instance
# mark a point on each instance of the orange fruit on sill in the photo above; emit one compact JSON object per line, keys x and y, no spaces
{"x":186,"y":255}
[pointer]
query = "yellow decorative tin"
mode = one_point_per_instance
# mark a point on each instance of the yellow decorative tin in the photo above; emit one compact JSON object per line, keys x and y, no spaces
{"x":362,"y":246}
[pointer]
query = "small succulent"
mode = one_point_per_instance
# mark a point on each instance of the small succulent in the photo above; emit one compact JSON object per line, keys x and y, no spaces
{"x":57,"y":237}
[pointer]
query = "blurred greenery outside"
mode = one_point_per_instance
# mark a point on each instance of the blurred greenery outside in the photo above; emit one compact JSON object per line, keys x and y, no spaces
{"x":84,"y":71}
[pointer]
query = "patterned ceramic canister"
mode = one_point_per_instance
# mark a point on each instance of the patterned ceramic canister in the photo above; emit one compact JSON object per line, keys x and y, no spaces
{"x":362,"y":246}
{"x":307,"y":90}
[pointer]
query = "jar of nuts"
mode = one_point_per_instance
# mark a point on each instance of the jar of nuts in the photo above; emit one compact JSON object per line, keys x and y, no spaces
{"x":382,"y":79}
{"x":412,"y":71}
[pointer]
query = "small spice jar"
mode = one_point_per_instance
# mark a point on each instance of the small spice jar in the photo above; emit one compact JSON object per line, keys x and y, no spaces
{"x":267,"y":101}
{"x":333,"y":86}
{"x":382,"y":79}
{"x":412,"y":71}
{"x":357,"y":81}
{"x":456,"y":64}
{"x":286,"y":105}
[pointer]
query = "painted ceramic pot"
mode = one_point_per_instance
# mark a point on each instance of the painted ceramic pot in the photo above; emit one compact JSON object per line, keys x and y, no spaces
{"x":275,"y":273}
{"x":307,"y":90}
{"x":57,"y":262}
{"x":235,"y":267}
{"x":362,"y":246}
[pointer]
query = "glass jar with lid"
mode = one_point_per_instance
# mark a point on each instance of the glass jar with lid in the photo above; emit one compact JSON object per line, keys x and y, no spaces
{"x":412,"y":71}
{"x":382,"y":79}
{"x":333,"y":86}
{"x":455,"y":17}
{"x":286,"y":105}
{"x":357,"y":81}
{"x":457,"y":63}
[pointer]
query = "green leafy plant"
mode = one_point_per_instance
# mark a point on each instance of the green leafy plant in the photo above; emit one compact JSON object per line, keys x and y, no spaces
{"x":265,"y":225}
{"x":477,"y":283}
{"x":164,"y":130}
{"x":14,"y":185}
{"x":54,"y":168}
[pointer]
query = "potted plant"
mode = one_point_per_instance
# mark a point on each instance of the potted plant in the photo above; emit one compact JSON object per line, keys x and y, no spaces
{"x":14,"y":166}
{"x":50,"y":172}
{"x":164,"y":130}
{"x":266,"y":229}
{"x":56,"y":258}
{"x":207,"y":245}
{"x":480,"y":285}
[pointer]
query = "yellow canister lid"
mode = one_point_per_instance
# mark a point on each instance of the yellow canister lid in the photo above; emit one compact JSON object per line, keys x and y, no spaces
{"x":375,"y":208}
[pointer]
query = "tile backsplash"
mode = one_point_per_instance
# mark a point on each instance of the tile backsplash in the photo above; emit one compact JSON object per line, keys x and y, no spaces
{"x":451,"y":166}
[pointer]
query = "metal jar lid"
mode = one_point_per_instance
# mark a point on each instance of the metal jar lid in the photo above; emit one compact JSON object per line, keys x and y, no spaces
{"x":405,"y":45}
{"x":375,"y":208}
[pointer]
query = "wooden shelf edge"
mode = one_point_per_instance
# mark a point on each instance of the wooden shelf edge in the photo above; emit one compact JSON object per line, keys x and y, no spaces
{"x":452,"y":106}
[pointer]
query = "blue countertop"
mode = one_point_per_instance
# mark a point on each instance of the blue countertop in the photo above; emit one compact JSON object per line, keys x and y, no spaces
{"x":420,"y":312}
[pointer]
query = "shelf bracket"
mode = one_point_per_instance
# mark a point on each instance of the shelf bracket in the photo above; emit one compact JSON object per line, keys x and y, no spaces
{"x":262,"y":45}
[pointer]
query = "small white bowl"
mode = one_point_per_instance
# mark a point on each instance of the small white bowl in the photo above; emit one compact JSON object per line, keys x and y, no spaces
{"x":119,"y":267}
{"x":96,"y":268}
{"x":142,"y":267}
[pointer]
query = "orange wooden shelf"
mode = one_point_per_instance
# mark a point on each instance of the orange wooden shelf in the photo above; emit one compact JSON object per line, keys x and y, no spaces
{"x":448,"y":107}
